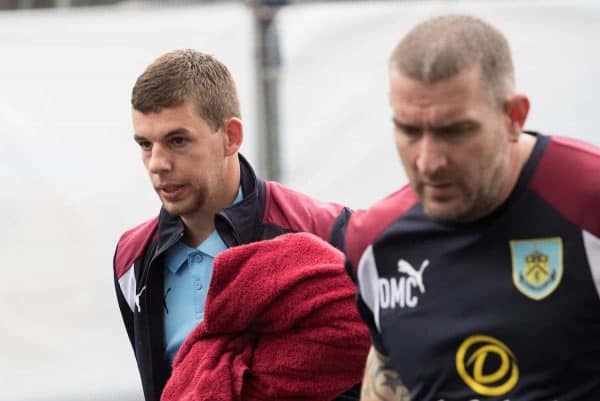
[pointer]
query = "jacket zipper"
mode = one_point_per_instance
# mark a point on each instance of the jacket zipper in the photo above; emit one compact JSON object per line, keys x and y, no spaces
{"x":146,"y":272}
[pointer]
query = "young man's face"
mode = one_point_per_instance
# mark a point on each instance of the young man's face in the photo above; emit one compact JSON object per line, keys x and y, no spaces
{"x":453,"y":142}
{"x":184,"y":157}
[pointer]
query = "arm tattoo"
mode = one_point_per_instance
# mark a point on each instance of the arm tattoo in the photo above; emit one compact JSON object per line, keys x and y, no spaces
{"x":381,"y":382}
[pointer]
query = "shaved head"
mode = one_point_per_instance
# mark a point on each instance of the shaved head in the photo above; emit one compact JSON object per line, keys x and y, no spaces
{"x":441,"y":47}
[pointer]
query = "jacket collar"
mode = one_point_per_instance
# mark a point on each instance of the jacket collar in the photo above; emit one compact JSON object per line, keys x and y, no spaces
{"x":170,"y":230}
{"x":237,"y":224}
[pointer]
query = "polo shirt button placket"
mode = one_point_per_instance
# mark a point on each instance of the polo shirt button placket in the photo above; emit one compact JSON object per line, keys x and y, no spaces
{"x":195,"y":260}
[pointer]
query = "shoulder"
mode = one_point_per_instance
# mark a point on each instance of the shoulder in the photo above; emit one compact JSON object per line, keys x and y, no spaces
{"x":132,"y":244}
{"x":298,"y":212}
{"x":568,"y":178}
{"x":365,"y":226}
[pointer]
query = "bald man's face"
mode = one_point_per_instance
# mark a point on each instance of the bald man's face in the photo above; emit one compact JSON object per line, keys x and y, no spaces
{"x":453,"y":143}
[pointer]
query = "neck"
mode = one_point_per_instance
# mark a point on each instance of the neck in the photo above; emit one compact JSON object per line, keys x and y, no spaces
{"x":519,"y":154}
{"x":197,"y":229}
{"x":201,"y":223}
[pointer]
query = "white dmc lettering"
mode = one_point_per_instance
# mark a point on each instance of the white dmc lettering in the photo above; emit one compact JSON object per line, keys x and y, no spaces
{"x":397,"y":292}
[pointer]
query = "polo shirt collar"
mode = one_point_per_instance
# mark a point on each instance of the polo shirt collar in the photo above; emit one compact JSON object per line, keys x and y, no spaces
{"x":211,"y":246}
{"x":177,"y":255}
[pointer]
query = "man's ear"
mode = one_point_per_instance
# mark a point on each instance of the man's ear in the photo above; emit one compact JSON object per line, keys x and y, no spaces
{"x":517,"y":109}
{"x":233,"y":131}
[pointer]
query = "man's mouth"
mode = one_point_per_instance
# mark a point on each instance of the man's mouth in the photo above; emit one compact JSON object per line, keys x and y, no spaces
{"x":171,"y":192}
{"x":437,"y":185}
{"x":437,"y":190}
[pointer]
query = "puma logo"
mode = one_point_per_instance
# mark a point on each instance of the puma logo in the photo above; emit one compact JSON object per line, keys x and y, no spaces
{"x":405,"y":267}
{"x":137,"y":299}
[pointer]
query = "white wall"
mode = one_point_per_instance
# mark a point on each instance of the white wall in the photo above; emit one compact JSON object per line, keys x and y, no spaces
{"x":71,"y":179}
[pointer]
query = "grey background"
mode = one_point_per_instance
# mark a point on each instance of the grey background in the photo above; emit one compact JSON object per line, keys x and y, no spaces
{"x":71,"y":179}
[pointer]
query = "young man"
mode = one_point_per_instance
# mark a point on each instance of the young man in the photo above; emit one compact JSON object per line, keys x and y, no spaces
{"x":186,"y":120}
{"x":480,"y":279}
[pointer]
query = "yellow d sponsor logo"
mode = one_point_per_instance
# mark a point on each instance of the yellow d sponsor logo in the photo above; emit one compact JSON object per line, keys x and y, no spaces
{"x":487,"y":365}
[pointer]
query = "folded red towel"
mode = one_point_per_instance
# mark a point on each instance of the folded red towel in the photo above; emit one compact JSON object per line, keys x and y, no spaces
{"x":280,"y":323}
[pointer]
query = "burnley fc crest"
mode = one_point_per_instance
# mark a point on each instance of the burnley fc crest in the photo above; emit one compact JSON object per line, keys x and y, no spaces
{"x":537,"y":266}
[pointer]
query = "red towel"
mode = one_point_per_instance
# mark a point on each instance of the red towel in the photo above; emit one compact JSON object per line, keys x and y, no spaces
{"x":280,"y":323}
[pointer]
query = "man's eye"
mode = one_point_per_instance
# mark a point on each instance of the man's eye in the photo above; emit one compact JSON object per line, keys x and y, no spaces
{"x":145,"y":145}
{"x":177,"y":141}
{"x":457,"y":130}
{"x":454,"y":131}
{"x":411,"y":132}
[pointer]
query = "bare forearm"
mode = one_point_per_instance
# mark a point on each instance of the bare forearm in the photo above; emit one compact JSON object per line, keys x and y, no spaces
{"x":381,"y":382}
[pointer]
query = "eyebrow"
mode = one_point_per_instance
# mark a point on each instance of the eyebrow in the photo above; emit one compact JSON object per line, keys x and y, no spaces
{"x":405,"y":127}
{"x":176,"y":131}
{"x":436,"y":129}
{"x":462,"y":124}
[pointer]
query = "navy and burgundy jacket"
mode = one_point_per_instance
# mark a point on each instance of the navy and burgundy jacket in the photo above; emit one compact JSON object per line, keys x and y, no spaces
{"x":267,"y":210}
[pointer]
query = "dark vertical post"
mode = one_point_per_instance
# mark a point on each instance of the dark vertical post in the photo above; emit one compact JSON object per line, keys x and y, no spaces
{"x":268,"y":61}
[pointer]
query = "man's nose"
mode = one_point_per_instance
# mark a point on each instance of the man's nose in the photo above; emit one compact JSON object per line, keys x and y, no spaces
{"x":159,"y":160}
{"x":432,"y":155}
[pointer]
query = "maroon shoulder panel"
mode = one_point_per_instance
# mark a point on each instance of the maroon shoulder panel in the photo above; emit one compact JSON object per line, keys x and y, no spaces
{"x":132,"y":243}
{"x":297,"y":212}
{"x":365,"y":226}
{"x":568,"y":178}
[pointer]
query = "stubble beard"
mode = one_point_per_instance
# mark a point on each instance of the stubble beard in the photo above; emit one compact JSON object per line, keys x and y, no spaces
{"x":458,"y":214}
{"x":474,"y":204}
{"x":187,"y":206}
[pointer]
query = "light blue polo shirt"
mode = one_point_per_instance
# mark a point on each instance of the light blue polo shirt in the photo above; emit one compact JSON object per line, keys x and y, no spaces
{"x":187,"y":275}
